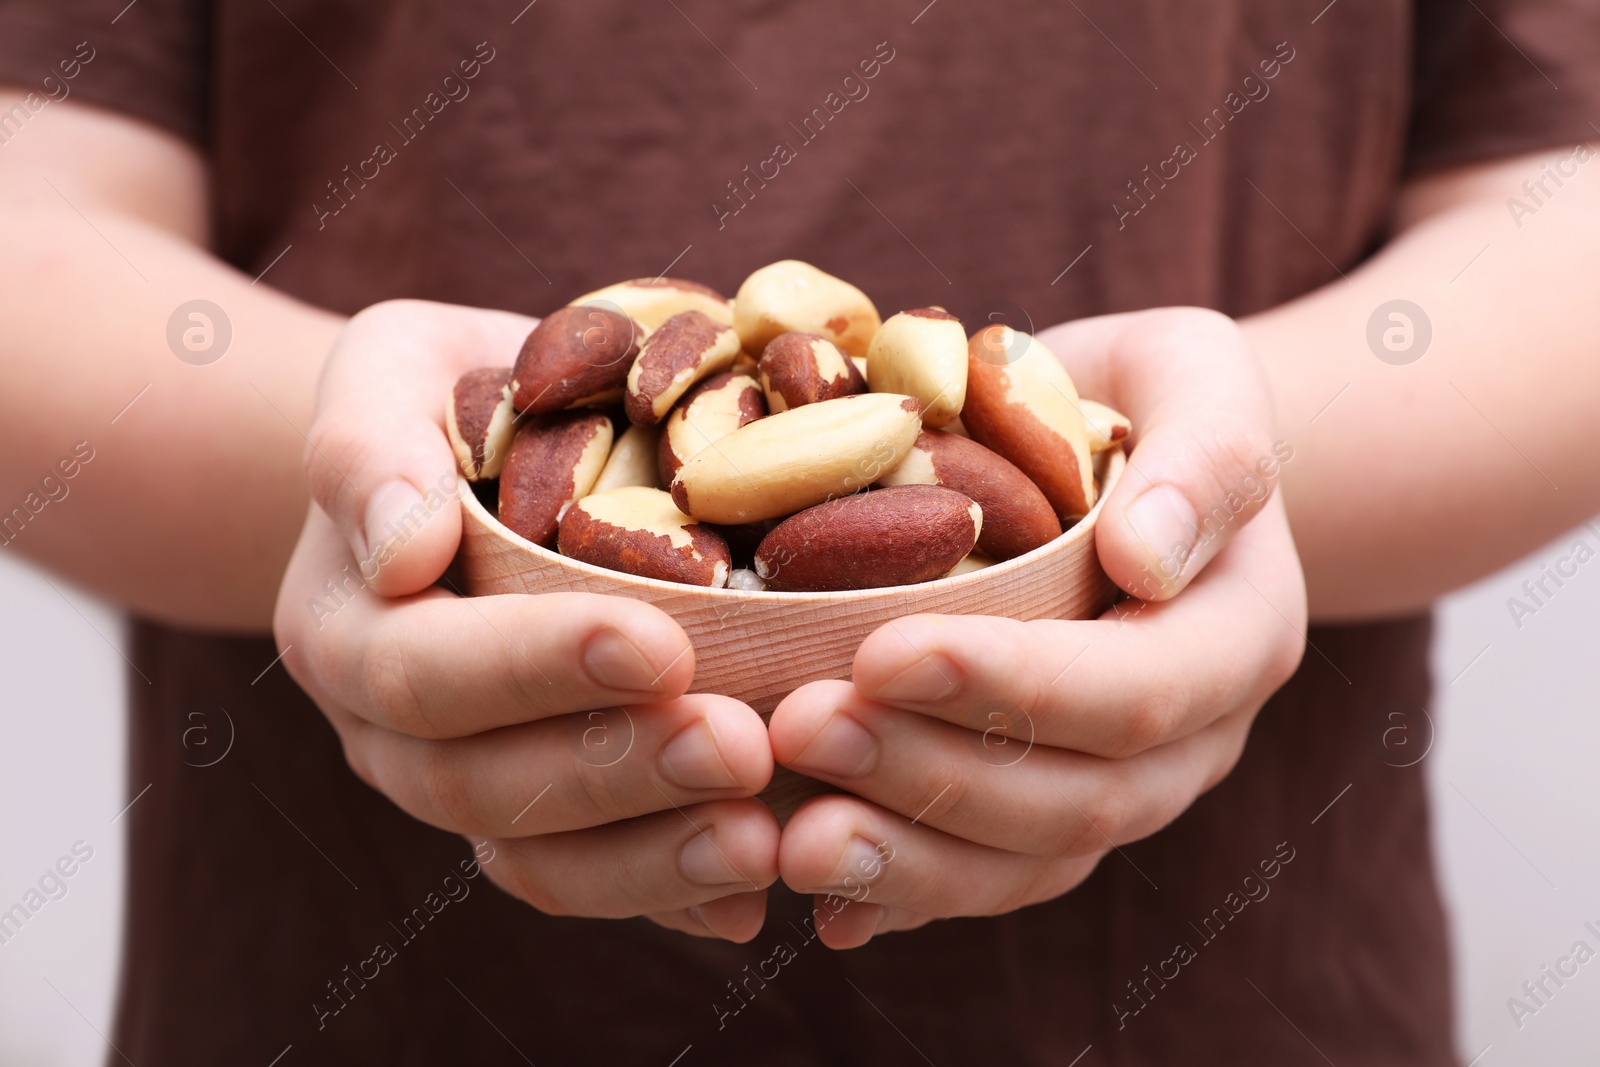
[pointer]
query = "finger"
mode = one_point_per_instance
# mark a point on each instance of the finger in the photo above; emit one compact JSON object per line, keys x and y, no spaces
{"x":570,"y":772}
{"x":378,"y":461}
{"x":843,"y":923}
{"x":859,"y":921}
{"x":658,"y":863}
{"x":1016,"y":795}
{"x":435,"y":665}
{"x":1204,"y":462}
{"x":737,"y":918}
{"x":1130,"y":680}
{"x":849,"y":849}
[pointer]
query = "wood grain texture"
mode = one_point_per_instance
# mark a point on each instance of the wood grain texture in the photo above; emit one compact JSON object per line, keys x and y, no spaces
{"x":758,"y":647}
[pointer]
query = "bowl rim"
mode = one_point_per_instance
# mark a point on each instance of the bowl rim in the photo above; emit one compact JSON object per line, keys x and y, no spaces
{"x":1081,"y":530}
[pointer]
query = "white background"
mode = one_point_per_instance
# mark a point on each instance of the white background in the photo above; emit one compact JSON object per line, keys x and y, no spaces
{"x":1513,"y":770}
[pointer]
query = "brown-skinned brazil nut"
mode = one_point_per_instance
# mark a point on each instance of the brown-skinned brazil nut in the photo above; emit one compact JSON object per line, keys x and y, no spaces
{"x":1016,"y":516}
{"x":712,"y":410}
{"x":686,"y":348}
{"x":553,"y":460}
{"x":479,"y":421}
{"x":897,"y":536}
{"x":640,"y":531}
{"x":804,"y":368}
{"x":796,"y":458}
{"x":1022,"y":403}
{"x":575,"y":357}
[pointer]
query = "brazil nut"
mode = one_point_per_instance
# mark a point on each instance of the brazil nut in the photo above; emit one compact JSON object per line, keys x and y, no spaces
{"x":922,"y":353}
{"x":553,"y":460}
{"x":800,"y":457}
{"x":712,"y":410}
{"x":479,"y":421}
{"x":686,"y":348}
{"x":1016,"y":516}
{"x":1028,"y":410}
{"x":652,"y":301}
{"x":575,"y":357}
{"x":804,"y":368}
{"x":638,"y":530}
{"x":896,"y":536}
{"x":791,"y":295}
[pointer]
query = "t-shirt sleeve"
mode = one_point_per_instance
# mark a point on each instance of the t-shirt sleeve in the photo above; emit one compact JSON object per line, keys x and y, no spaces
{"x":148,"y":58}
{"x":1503,"y":77}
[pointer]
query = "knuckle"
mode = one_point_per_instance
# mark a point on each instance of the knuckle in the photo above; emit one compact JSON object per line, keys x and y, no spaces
{"x":1150,"y":720}
{"x":446,"y":789}
{"x":1162,"y":330}
{"x":390,"y":689}
{"x":600,"y":790}
{"x":331,"y":446}
{"x":318,"y":661}
{"x":1225,"y":765}
{"x":355,"y":753}
{"x":1100,"y":817}
{"x":534,"y":689}
{"x":521,"y":878}
{"x":1027,"y":888}
{"x":1286,"y":660}
{"x":1231,"y":448}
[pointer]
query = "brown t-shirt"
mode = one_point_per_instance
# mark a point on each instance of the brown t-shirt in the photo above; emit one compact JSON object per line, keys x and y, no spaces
{"x":1046,"y":160}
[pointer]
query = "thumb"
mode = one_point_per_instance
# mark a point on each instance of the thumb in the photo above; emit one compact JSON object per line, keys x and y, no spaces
{"x":1203,"y":464}
{"x":378,"y":461}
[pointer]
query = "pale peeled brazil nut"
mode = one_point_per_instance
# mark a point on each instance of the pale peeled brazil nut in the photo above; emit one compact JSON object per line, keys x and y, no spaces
{"x":1028,"y":411}
{"x":652,"y":301}
{"x":640,"y":530}
{"x":632,"y":461}
{"x":791,"y":295}
{"x":897,"y":536}
{"x":1108,"y":427}
{"x":746,"y":580}
{"x":922,"y":353}
{"x":803,"y":368}
{"x":975,"y":561}
{"x":686,"y":348}
{"x":553,"y":460}
{"x":1016,"y":516}
{"x":575,"y":357}
{"x":711,"y":410}
{"x":800,"y":457}
{"x":479,"y":421}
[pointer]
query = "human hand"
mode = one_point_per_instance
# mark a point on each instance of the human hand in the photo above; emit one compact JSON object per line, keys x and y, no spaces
{"x":989,"y":764}
{"x":555,"y":726}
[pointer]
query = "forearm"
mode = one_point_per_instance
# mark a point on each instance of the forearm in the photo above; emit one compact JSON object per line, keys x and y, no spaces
{"x":193,"y":497}
{"x":1410,"y":480}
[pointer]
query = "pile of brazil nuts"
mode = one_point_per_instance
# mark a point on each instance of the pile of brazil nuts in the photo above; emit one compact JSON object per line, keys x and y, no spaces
{"x":788,"y":439}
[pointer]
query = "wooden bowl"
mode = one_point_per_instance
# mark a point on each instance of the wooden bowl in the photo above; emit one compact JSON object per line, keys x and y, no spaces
{"x":758,"y":647}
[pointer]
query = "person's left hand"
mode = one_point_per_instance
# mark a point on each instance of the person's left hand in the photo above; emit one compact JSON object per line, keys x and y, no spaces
{"x":989,"y":764}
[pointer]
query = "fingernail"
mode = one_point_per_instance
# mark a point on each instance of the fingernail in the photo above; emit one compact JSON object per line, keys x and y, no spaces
{"x":613,"y":661}
{"x":933,"y":677}
{"x":691,"y":760}
{"x":704,"y":864}
{"x":395,"y":512}
{"x":1163,"y":519}
{"x":859,"y":866}
{"x":842,"y":749}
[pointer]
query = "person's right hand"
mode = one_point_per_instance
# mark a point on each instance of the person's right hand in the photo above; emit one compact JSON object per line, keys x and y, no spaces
{"x":554,"y":726}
